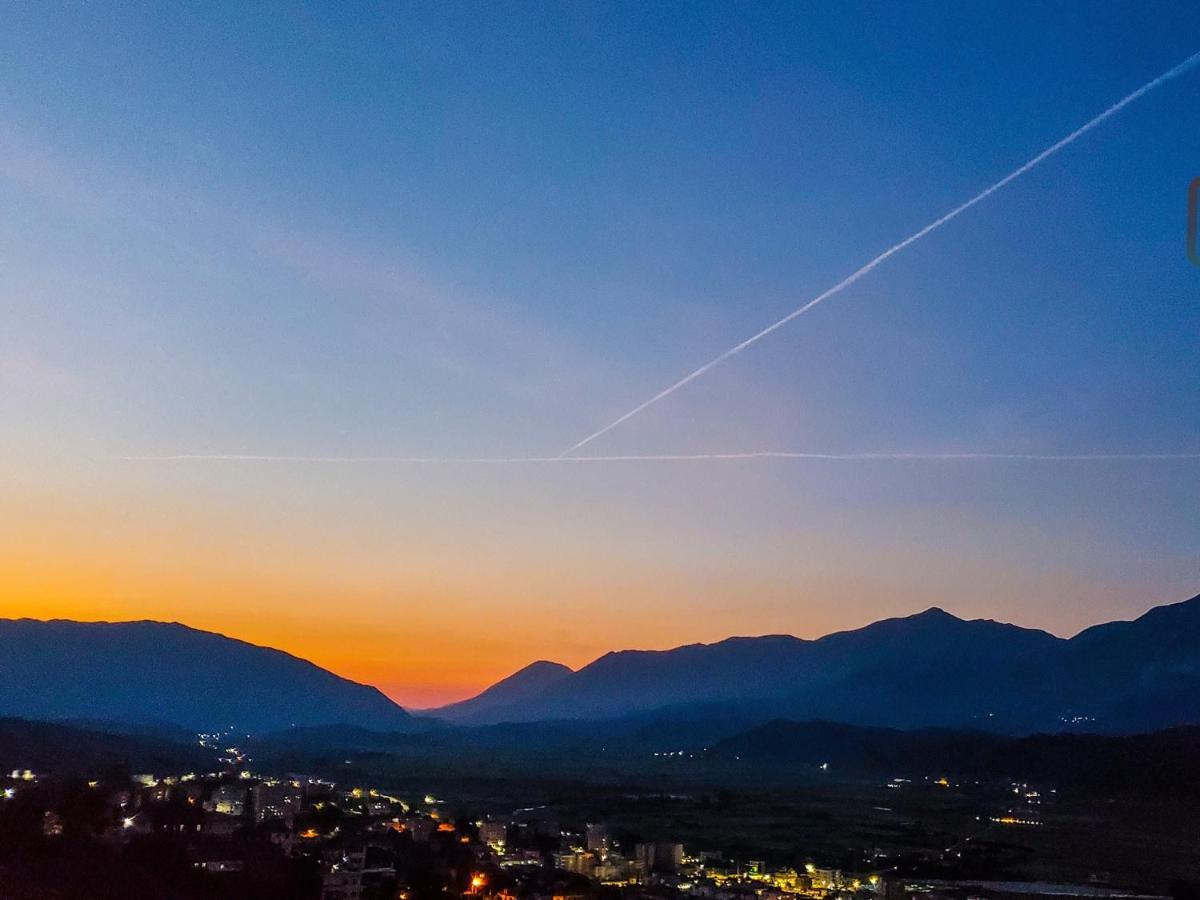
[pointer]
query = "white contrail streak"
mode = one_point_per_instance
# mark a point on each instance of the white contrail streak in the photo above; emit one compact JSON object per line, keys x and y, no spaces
{"x":669,"y":457}
{"x":891,"y":251}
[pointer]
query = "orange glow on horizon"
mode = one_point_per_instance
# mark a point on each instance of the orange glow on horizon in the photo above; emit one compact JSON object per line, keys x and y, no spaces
{"x":437,"y":624}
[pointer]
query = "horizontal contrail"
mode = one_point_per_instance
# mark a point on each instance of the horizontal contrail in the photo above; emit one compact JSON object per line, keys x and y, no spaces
{"x":896,"y":248}
{"x":668,"y":457}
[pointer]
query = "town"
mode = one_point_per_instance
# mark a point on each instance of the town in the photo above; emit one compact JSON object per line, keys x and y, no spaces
{"x":238,"y":832}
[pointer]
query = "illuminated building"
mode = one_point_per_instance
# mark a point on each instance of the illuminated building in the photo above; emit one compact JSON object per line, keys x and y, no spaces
{"x":273,"y":802}
{"x":228,"y":799}
{"x":576,"y":861}
{"x":494,"y":834}
{"x":662,"y":856}
{"x":597,"y":838}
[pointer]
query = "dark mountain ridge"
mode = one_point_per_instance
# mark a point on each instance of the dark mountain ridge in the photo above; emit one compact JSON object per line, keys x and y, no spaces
{"x":928,"y":669}
{"x":157,"y":672}
{"x":521,"y":686}
{"x":71,"y":749}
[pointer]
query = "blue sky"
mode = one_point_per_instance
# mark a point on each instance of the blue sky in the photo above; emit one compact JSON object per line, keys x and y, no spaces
{"x":448,"y":230}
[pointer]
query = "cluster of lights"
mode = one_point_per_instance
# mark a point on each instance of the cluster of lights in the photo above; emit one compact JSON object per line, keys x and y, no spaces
{"x":1014,"y":820}
{"x":786,"y":880}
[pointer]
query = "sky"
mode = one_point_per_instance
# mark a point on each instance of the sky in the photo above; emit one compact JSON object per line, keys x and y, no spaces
{"x":339,"y":235}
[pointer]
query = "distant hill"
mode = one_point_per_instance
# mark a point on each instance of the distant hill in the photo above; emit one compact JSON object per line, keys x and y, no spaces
{"x":929,"y":669}
{"x":520,"y":687}
{"x":1136,"y":676}
{"x":723,"y":749}
{"x":51,"y":747}
{"x":1160,"y":761}
{"x":166,"y":673}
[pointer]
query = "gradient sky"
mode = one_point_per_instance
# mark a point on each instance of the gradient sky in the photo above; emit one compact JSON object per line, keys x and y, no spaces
{"x":488,"y":229}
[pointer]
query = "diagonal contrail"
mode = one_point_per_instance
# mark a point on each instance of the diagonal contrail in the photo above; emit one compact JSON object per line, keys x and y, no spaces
{"x":911,"y":239}
{"x":669,"y":457}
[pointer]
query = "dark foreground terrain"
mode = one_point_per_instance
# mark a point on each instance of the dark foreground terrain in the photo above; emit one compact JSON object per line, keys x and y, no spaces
{"x":950,"y":805}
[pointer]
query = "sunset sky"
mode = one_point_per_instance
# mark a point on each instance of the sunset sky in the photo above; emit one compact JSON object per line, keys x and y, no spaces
{"x":486,"y":230}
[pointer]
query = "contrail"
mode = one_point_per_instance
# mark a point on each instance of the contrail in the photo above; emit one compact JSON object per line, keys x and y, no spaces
{"x":891,"y":251}
{"x":668,"y":457}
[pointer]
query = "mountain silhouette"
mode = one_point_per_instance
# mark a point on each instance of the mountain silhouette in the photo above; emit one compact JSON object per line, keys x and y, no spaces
{"x":169,"y":673}
{"x":928,"y":669}
{"x":1140,"y":675}
{"x":931,"y":669}
{"x":520,"y":687}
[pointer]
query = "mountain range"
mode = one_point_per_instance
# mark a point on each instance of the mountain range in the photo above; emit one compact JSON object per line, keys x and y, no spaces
{"x":158,"y":672}
{"x":492,"y":704}
{"x":928,"y":669}
{"x":931,"y":669}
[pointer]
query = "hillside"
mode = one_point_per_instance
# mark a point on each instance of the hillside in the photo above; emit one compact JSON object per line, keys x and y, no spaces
{"x":520,"y":687}
{"x":169,"y":673}
{"x":51,"y":747}
{"x":1160,"y":761}
{"x":928,"y":669}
